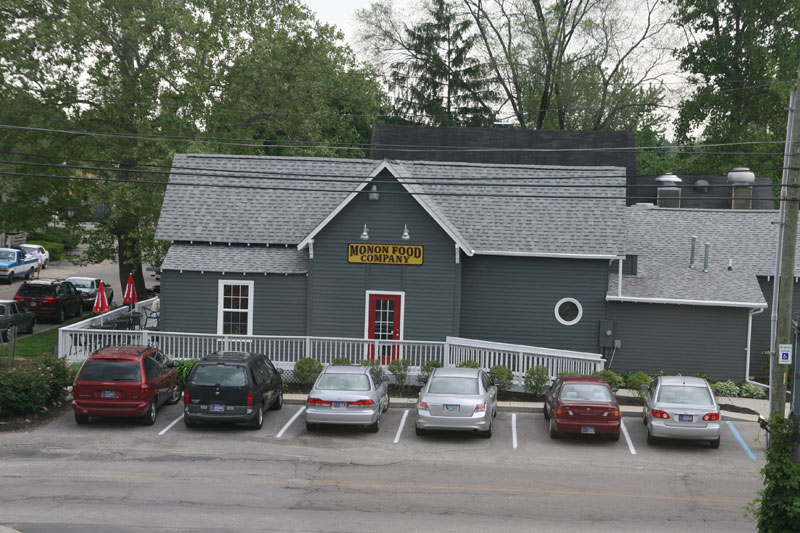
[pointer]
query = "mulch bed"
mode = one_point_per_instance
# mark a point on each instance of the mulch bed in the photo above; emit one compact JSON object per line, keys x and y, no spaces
{"x":34,"y":420}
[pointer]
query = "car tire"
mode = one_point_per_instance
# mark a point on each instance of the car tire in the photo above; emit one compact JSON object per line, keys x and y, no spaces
{"x":79,"y":310}
{"x":388,"y":400}
{"x":30,"y":329}
{"x":81,"y":419}
{"x":258,"y":420}
{"x":61,"y":316}
{"x":420,"y":431}
{"x":29,"y":275}
{"x":494,"y":412}
{"x":149,"y":418}
{"x":44,"y":265}
{"x":188,"y":423}
{"x":644,"y":419}
{"x":615,"y":436}
{"x":488,"y":433}
{"x":278,"y":403}
{"x":714,"y":444}
{"x":375,"y":426}
{"x":546,"y":412}
{"x":310,"y":426}
{"x":174,"y":395}
{"x":553,"y":431}
{"x":650,"y":438}
{"x":9,"y":279}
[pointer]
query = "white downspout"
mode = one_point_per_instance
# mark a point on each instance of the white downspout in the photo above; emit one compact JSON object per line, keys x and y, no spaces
{"x":749,"y":336}
{"x":619,"y":279}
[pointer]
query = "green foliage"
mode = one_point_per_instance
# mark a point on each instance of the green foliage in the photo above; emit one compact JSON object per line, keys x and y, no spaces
{"x":469,"y":364}
{"x":749,"y":390}
{"x":32,"y":384}
{"x":778,"y":505}
{"x":55,"y":249}
{"x":306,"y":369}
{"x":725,"y":388}
{"x":609,"y":375}
{"x":399,"y":367}
{"x":427,"y":367}
{"x":706,"y":377}
{"x":70,"y":239}
{"x":636,"y":380}
{"x":374,"y":363}
{"x":184,"y":367}
{"x":536,"y":378}
{"x":341,"y":361}
{"x":503,"y":375}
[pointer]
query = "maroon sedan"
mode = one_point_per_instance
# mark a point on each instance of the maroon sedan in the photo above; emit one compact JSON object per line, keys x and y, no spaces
{"x":582,"y":404}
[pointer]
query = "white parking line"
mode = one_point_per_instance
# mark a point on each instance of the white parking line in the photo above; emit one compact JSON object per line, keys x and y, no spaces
{"x":514,"y":430}
{"x":289,"y":423}
{"x":627,"y":437}
{"x":400,"y":429}
{"x":170,"y":426}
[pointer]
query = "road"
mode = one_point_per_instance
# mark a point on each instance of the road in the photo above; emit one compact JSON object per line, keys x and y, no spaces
{"x":122,"y":476}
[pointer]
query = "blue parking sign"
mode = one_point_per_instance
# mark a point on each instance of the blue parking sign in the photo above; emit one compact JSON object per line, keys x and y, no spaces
{"x":785,"y":354}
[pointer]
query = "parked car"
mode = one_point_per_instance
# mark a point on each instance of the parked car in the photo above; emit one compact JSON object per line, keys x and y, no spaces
{"x":29,"y":248}
{"x":582,"y":404}
{"x":352,"y":395}
{"x":50,"y":298}
{"x":125,"y":381}
{"x":681,"y":407}
{"x":16,"y":264}
{"x":232,"y":387}
{"x":88,"y":289}
{"x":463,"y":399}
{"x":13,"y":314}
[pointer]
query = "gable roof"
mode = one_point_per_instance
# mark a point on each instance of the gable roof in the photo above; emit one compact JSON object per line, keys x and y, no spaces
{"x":217,"y":258}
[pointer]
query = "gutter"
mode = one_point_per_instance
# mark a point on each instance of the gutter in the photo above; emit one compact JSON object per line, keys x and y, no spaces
{"x":675,"y":301}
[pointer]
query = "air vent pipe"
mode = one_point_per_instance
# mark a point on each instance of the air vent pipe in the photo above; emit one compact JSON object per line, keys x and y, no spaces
{"x":705,"y":260}
{"x":691,"y":256}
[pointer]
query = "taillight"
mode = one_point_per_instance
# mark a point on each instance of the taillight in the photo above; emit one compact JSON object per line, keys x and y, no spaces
{"x":361,"y":403}
{"x":480,"y":407}
{"x":49,"y":300}
{"x":612,"y":412}
{"x":559,"y":411}
{"x":659,"y":414}
{"x":145,"y":389}
{"x":711,"y":417}
{"x":186,"y":397}
{"x":19,"y":298}
{"x":317,"y":401}
{"x":423,"y":406}
{"x":250,"y":399}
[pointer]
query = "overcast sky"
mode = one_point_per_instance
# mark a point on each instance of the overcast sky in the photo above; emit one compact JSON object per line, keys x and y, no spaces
{"x":341,"y":13}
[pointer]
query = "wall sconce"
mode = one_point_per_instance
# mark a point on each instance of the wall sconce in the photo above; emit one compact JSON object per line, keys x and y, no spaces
{"x":373,"y":193}
{"x":405,"y":236}
{"x":365,"y":233}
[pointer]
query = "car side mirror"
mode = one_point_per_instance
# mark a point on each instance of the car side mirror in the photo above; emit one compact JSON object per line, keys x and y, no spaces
{"x":422,"y":380}
{"x":279,"y":370}
{"x":645,"y":388}
{"x":496,"y":382}
{"x":385,"y":378}
{"x":615,"y":389}
{"x":107,"y":285}
{"x":172,"y":364}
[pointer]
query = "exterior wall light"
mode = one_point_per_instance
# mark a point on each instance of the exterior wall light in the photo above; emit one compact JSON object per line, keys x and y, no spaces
{"x":405,"y":236}
{"x":365,"y":233}
{"x":373,"y":193}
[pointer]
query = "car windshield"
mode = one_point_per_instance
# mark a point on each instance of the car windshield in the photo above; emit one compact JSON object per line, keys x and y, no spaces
{"x":110,"y":371}
{"x":222,"y":375}
{"x":8,"y":256}
{"x":343,"y":382}
{"x":35,"y":291}
{"x":81,"y":283}
{"x":683,"y":394}
{"x":453,"y":386}
{"x":585,"y":392}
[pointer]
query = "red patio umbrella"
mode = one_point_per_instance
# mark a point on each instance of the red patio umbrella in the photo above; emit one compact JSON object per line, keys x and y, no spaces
{"x":130,"y":292}
{"x":101,"y":302}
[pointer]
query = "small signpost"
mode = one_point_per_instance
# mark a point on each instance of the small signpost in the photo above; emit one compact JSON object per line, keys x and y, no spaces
{"x":785,"y":351}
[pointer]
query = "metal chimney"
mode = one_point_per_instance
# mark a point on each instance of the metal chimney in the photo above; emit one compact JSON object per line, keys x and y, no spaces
{"x":691,"y":256}
{"x":668,"y":192}
{"x":741,"y":180}
{"x":705,"y":260}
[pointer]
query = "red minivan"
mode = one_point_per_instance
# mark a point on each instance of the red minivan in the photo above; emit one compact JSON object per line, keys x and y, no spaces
{"x":582,"y":404}
{"x":130,"y":381}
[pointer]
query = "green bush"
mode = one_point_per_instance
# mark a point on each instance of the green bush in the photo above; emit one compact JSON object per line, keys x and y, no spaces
{"x":341,"y":361}
{"x":726,"y":388}
{"x":399,"y":368}
{"x":184,"y":367}
{"x":503,"y":375}
{"x":535,"y":379}
{"x":636,"y":380}
{"x":706,"y":377}
{"x":374,"y":363}
{"x":59,"y":375}
{"x":752,"y":391}
{"x":63,"y":236}
{"x":305,"y":369}
{"x":26,"y":387}
{"x":427,"y":368}
{"x":778,"y":505}
{"x":56,"y":249}
{"x":469,"y":364}
{"x":609,"y":375}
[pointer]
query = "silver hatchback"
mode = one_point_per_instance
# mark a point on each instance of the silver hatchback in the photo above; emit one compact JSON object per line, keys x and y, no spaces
{"x":678,"y":407}
{"x":354,"y":395}
{"x":460,"y":399}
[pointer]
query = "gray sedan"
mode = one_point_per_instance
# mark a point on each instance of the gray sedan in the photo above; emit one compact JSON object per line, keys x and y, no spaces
{"x":459,"y":399}
{"x":678,"y":407}
{"x":13,"y":314}
{"x":354,"y":395}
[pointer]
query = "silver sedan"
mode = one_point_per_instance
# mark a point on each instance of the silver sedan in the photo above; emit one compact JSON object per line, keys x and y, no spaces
{"x":460,"y":399}
{"x":348,"y":395}
{"x":681,"y":407}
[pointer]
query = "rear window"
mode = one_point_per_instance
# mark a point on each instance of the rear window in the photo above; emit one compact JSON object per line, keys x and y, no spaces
{"x":35,"y":291}
{"x":2,"y":309}
{"x":222,"y":375}
{"x":81,"y":283}
{"x":585,"y":392}
{"x":110,"y":371}
{"x":682,"y":394}
{"x":453,"y":386}
{"x":343,"y":382}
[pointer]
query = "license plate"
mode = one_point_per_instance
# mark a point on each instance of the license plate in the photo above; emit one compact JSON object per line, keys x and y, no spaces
{"x":587,"y":430}
{"x":339,"y":405}
{"x":33,"y":304}
{"x":451,"y":408}
{"x":685,"y":418}
{"x":108,"y":394}
{"x":217,"y":408}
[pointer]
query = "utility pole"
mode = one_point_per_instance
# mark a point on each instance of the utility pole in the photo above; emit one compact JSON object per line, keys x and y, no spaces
{"x":789,"y":207}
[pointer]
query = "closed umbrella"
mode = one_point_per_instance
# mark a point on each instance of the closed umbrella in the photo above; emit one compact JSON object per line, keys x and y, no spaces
{"x":101,"y":302}
{"x":130,"y":292}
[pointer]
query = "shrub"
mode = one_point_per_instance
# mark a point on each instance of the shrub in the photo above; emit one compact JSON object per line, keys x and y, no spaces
{"x":184,"y":367}
{"x":374,"y":363}
{"x":399,"y":367}
{"x":427,"y":368}
{"x":610,"y":376}
{"x":535,"y":379}
{"x":59,"y":376}
{"x":706,"y":377}
{"x":752,"y":391}
{"x":503,"y":375}
{"x":56,"y":249}
{"x":725,"y":388}
{"x":341,"y":361}
{"x":469,"y":364}
{"x":69,"y":239}
{"x":26,"y":387}
{"x":636,"y":380}
{"x":305,"y":369}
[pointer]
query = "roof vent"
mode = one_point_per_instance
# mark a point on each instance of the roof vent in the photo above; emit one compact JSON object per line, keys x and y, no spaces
{"x":741,"y":177}
{"x":701,"y":185}
{"x":668,"y":193}
{"x":741,"y":180}
{"x":668,"y":180}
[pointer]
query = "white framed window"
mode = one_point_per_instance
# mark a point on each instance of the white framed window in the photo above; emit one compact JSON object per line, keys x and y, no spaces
{"x":568,"y":311}
{"x":235,"y":308}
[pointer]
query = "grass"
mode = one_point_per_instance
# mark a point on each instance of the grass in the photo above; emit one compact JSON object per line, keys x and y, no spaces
{"x":37,"y":345}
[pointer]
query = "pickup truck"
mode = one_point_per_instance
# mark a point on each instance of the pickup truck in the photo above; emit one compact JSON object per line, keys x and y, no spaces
{"x":15,"y":264}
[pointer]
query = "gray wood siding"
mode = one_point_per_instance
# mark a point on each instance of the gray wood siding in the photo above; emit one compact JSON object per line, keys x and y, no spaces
{"x":683,"y":339}
{"x":337,"y":297}
{"x":189,"y":302}
{"x":512,"y":299}
{"x":759,"y":364}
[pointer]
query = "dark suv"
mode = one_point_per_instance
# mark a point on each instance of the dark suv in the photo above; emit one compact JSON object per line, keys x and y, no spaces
{"x":50,"y":298}
{"x":130,"y":381}
{"x":232,"y":387}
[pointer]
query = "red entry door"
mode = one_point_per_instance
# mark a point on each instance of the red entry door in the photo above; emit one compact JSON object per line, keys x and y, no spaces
{"x":383,"y":323}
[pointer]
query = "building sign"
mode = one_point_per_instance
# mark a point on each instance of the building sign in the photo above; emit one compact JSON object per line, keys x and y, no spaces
{"x":384,"y":254}
{"x":785,"y":351}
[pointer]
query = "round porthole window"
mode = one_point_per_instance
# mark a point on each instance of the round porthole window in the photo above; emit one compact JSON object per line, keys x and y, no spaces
{"x":568,"y":311}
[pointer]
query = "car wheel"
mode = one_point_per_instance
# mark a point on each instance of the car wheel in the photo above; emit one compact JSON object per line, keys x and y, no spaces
{"x":149,"y":418}
{"x":310,"y":426}
{"x":9,"y":279}
{"x":188,"y":423}
{"x":494,"y":412}
{"x":81,"y":419}
{"x":387,"y":403}
{"x":174,"y":395}
{"x":61,"y":316}
{"x":553,"y":431}
{"x":714,"y":443}
{"x":29,"y":275}
{"x":644,"y":418}
{"x":30,"y":329}
{"x":650,"y":438}
{"x":278,"y":403}
{"x":615,"y":436}
{"x":258,"y":420}
{"x":44,"y":265}
{"x":375,"y":426}
{"x":420,"y":431}
{"x":488,"y":433}
{"x":546,"y":412}
{"x":79,"y":309}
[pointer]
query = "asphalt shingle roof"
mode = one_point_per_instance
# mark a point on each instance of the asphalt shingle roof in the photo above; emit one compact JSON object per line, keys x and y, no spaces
{"x":217,"y":258}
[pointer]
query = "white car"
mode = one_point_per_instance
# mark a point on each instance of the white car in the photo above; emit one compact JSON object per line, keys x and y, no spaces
{"x":29,"y":248}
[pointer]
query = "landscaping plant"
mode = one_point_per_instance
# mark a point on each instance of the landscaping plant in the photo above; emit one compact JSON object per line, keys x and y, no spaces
{"x":503,"y":375}
{"x":427,"y":368}
{"x":184,"y":367}
{"x":749,"y":390}
{"x":306,"y":369}
{"x":609,"y":375}
{"x":374,"y":363}
{"x":725,"y":388}
{"x":341,"y":361}
{"x":469,"y":364}
{"x":399,"y":368}
{"x":536,"y":378}
{"x":27,"y":387}
{"x":636,"y":380}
